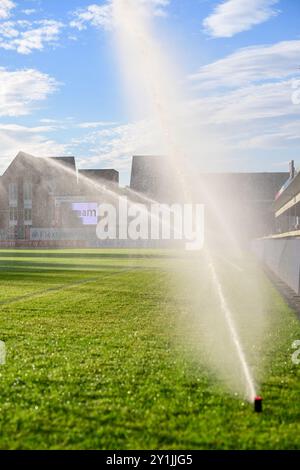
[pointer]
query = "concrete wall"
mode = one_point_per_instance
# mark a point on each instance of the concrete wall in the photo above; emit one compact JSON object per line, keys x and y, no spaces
{"x":282,"y":256}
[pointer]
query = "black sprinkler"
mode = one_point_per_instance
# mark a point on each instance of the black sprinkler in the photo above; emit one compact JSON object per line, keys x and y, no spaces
{"x":258,"y":404}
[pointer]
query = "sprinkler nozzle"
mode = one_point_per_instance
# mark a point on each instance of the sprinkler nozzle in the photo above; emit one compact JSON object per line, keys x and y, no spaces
{"x":258,"y":404}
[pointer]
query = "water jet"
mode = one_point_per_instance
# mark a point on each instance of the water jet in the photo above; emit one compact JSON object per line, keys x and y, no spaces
{"x":229,"y":338}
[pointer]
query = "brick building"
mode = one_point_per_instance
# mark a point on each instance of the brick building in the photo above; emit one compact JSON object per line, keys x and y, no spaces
{"x":39,"y":194}
{"x":48,"y":200}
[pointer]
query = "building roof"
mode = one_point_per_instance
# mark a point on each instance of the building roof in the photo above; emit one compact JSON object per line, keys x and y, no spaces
{"x":255,"y":186}
{"x":40,"y":164}
{"x":20,"y":156}
{"x":102,"y":174}
{"x":151,"y":174}
{"x":65,"y":161}
{"x":44,"y":165}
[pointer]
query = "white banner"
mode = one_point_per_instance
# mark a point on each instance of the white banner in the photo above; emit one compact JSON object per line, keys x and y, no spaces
{"x":56,"y":234}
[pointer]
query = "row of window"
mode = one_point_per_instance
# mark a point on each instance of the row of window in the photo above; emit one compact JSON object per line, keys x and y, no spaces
{"x":13,"y":214}
{"x":13,"y":191}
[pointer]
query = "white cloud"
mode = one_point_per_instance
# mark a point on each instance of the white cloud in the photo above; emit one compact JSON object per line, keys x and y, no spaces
{"x":16,"y":128}
{"x":8,"y":30}
{"x":20,"y":90}
{"x":101,"y":16}
{"x":29,"y":11}
{"x":49,"y":121}
{"x":246,"y":97}
{"x":114,"y":146}
{"x":248,"y":103}
{"x":251,"y":64}
{"x":95,"y":124}
{"x":255,"y":113}
{"x":234,"y":16}
{"x":6,"y":6}
{"x":25,"y":37}
{"x":14,"y":138}
{"x":253,"y":117}
{"x":275,"y":135}
{"x":258,"y":117}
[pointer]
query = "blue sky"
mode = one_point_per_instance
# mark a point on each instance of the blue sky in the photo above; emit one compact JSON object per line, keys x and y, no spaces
{"x":61,"y":90}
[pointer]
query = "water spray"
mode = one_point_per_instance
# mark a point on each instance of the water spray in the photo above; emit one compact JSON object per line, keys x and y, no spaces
{"x":135,"y":40}
{"x":249,"y":382}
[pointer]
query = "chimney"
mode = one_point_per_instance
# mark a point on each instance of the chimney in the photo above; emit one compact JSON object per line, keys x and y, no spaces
{"x":292,"y":169}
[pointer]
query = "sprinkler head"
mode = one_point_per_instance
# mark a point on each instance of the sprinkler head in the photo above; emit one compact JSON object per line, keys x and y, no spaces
{"x":258,"y":404}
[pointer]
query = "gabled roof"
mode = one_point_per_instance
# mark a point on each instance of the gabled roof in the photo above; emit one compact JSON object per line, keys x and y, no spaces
{"x":40,"y":164}
{"x":20,"y":156}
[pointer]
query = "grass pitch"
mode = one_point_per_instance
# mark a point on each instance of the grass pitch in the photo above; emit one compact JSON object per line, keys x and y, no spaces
{"x":92,"y":361}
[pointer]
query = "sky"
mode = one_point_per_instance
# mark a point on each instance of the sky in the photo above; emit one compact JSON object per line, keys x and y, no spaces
{"x":62,"y":93}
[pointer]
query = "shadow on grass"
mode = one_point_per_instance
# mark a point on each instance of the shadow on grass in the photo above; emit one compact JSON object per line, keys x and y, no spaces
{"x":89,"y":255}
{"x":14,"y":265}
{"x":64,"y":286}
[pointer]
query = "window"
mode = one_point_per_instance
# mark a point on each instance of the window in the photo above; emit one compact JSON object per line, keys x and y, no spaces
{"x":27,"y":215}
{"x":27,"y":191}
{"x":13,"y":214}
{"x":13,"y":193}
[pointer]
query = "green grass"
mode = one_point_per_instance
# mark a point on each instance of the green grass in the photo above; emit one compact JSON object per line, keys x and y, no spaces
{"x":97,"y":359}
